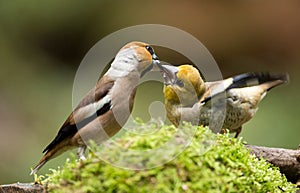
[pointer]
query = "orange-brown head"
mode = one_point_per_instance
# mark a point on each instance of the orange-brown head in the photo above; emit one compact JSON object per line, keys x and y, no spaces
{"x":134,"y":56}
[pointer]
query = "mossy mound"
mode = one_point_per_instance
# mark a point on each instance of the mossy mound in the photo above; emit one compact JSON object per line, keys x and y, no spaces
{"x":210,"y":163}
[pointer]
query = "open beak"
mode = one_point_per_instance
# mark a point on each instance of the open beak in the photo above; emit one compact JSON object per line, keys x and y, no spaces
{"x":169,"y":74}
{"x":155,"y":60}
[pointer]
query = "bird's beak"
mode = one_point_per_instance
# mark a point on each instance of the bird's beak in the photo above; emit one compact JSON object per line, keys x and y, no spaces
{"x":155,"y":62}
{"x":169,"y":74}
{"x":155,"y":59}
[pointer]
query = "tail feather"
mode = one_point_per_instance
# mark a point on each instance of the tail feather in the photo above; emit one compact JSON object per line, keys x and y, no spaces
{"x":37,"y":167}
{"x":269,"y":85}
{"x":50,"y":154}
{"x":257,"y":78}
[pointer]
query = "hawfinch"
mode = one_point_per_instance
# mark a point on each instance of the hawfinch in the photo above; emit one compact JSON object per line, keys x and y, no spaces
{"x":103,"y":111}
{"x":224,"y":104}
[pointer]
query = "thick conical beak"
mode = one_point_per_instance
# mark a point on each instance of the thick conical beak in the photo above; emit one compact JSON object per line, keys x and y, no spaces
{"x":155,"y":59}
{"x":169,"y":74}
{"x":155,"y":62}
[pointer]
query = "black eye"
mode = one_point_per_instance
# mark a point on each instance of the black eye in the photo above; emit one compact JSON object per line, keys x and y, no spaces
{"x":150,"y":50}
{"x":179,"y":83}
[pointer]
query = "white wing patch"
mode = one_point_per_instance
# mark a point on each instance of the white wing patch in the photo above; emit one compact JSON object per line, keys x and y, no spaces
{"x":90,"y":109}
{"x":221,"y":87}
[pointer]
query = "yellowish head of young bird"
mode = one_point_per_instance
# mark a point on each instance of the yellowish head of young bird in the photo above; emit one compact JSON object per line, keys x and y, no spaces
{"x":183,"y":85}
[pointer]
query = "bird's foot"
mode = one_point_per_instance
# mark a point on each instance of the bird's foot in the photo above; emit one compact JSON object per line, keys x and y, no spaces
{"x":80,"y":153}
{"x":238,"y":131}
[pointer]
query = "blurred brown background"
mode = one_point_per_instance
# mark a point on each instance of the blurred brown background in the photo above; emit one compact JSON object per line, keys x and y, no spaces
{"x":41,"y":46}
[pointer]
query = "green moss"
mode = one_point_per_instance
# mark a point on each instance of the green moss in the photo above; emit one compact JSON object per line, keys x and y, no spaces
{"x":210,"y":163}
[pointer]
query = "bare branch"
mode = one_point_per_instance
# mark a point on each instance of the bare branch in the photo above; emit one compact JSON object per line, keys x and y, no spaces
{"x":22,"y":188}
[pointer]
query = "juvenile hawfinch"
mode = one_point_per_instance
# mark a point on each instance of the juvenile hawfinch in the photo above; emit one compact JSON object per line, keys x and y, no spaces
{"x":189,"y":98}
{"x":107,"y":106}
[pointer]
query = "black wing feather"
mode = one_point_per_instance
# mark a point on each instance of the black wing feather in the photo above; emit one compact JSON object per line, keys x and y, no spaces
{"x":251,"y":79}
{"x":70,"y":128}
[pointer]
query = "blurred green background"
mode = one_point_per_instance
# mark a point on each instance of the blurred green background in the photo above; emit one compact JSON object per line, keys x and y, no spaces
{"x":42,"y":44}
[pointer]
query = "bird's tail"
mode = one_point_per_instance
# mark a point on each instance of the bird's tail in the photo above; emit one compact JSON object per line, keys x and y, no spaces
{"x":52,"y":153}
{"x":42,"y":162}
{"x":269,"y":80}
{"x":37,"y":167}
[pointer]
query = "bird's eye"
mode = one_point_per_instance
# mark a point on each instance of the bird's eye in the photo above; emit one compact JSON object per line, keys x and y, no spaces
{"x":150,"y":50}
{"x":179,"y":83}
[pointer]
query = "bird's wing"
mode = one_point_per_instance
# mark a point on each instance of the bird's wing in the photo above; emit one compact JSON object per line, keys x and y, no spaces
{"x":257,"y":78}
{"x":94,"y":104}
{"x":240,"y":81}
{"x":213,"y":89}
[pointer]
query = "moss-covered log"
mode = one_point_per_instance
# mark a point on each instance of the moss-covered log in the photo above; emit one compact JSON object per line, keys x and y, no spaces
{"x":22,"y":188}
{"x":210,"y":163}
{"x":287,"y":160}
